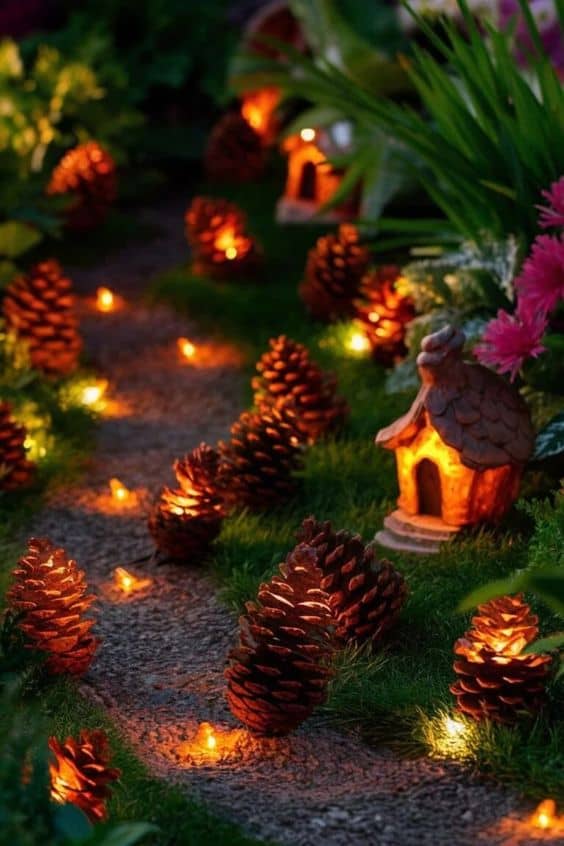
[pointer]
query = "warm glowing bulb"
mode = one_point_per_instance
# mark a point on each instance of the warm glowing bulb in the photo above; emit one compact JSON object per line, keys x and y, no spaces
{"x":545,"y":815}
{"x":123,"y":579}
{"x":231,"y":252}
{"x":373,"y":317}
{"x":454,"y":728}
{"x":211,"y":741}
{"x":186,"y":347}
{"x":92,"y":394}
{"x":359,"y":343}
{"x":105,"y":300}
{"x":119,"y":491}
{"x":307,"y":134}
{"x":127,"y":582}
{"x":225,"y":242}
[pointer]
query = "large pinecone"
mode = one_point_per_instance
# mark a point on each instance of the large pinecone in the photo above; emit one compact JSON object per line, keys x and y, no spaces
{"x":287,"y":374}
{"x":208,"y":220}
{"x":187,"y":519}
{"x":39,"y":307}
{"x":279,"y":672}
{"x":89,"y":173}
{"x":15,"y":469}
{"x":49,"y":591}
{"x":496,"y":681}
{"x":80,"y":773}
{"x":365,"y":595}
{"x":258,"y":463}
{"x":334,"y":269}
{"x":384,"y":314}
{"x":234,"y":152}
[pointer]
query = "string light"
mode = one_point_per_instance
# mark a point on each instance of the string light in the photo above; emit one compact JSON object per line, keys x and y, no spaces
{"x":358,"y":343}
{"x":92,"y":394}
{"x":186,"y":348}
{"x":127,"y":582}
{"x":105,"y":299}
{"x":307,"y":134}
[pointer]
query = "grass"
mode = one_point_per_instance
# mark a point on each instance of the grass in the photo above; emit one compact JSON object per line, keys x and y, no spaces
{"x":398,"y":695}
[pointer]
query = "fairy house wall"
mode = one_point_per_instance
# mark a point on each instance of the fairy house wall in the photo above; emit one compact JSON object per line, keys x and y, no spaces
{"x":462,"y":446}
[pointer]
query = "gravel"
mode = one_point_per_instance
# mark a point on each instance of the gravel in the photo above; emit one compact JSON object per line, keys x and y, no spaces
{"x":159,"y":669}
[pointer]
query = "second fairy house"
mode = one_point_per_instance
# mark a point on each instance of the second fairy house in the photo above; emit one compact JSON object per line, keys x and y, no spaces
{"x":460,"y":449}
{"x":311,"y":179}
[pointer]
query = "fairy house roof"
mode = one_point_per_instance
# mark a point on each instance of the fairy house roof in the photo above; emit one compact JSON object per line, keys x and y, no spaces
{"x":474,"y":410}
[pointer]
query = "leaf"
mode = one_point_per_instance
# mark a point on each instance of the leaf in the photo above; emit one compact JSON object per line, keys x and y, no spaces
{"x":550,"y":440}
{"x":124,"y":834}
{"x":16,"y":238}
{"x":491,"y":590}
{"x":548,"y":585}
{"x":546,"y":644}
{"x":71,"y":823}
{"x":7,"y":272}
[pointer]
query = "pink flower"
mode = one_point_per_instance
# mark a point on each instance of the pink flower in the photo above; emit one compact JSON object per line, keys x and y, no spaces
{"x":509,"y":340}
{"x":553,"y":214}
{"x":540,"y":284}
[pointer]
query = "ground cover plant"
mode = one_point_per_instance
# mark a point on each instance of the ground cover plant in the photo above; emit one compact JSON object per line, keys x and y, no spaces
{"x":399,"y":695}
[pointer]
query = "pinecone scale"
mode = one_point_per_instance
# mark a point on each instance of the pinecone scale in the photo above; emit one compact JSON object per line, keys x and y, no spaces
{"x":333,"y":274}
{"x":279,"y":672}
{"x":87,"y":172}
{"x":50,"y":593}
{"x":234,"y":151}
{"x":80,"y":773}
{"x":287,"y":375}
{"x":186,"y":520}
{"x":16,"y":471}
{"x":366,"y":596}
{"x":496,"y":679}
{"x":39,"y":307}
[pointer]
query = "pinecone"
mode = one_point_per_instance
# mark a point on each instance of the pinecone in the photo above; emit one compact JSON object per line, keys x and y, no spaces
{"x":216,"y":233}
{"x":259,"y":462}
{"x":80,"y":773}
{"x":89,"y":173}
{"x":496,"y":681}
{"x":288,"y":375}
{"x":384,"y":314}
{"x":39,"y":307}
{"x":279,"y":672}
{"x":186,"y":520}
{"x":334,"y":269}
{"x":15,"y":470}
{"x":366,"y":596}
{"x":50,"y":593}
{"x":234,"y":152}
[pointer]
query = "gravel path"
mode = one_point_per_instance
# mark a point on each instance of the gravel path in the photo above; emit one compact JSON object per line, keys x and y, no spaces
{"x":159,"y":668}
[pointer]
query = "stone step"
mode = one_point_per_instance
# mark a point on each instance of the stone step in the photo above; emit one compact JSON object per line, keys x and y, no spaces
{"x":421,"y":527}
{"x":398,"y":543}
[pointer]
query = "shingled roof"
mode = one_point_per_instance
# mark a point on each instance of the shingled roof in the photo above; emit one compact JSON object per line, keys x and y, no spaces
{"x":474,"y":410}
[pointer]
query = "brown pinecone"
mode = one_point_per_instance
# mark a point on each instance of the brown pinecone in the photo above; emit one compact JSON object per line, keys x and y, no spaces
{"x":279,"y":672}
{"x":49,"y":591}
{"x":187,"y":520}
{"x":334,"y":269}
{"x":366,"y":596}
{"x":215,"y":226}
{"x":259,"y":462}
{"x":384,"y":314}
{"x":80,"y":773}
{"x":234,"y":152}
{"x":15,"y":470}
{"x":496,"y":681}
{"x":39,"y":307}
{"x":89,"y":173}
{"x":287,"y":374}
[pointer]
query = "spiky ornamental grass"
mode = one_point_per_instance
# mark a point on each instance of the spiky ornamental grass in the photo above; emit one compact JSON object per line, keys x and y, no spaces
{"x":488,"y":139}
{"x":397,"y":694}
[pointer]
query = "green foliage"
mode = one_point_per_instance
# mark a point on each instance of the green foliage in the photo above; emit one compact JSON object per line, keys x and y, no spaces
{"x":489,"y":139}
{"x":389,"y":695}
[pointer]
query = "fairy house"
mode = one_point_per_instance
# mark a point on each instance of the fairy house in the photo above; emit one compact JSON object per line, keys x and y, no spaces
{"x":311,"y":179}
{"x":460,"y":449}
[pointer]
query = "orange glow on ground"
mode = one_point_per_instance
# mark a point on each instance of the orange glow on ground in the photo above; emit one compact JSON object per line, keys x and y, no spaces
{"x":105,"y":300}
{"x":545,"y":815}
{"x":128,"y":582}
{"x":121,"y":496}
{"x":186,"y":348}
{"x":212,"y":745}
